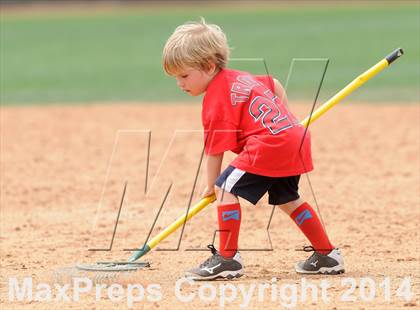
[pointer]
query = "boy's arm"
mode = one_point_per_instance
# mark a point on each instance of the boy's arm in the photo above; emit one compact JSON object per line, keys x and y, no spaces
{"x":214,"y":164}
{"x":279,"y":91}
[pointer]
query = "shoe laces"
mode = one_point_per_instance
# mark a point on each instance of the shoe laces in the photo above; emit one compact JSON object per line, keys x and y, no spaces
{"x":309,"y":248}
{"x":210,"y":260}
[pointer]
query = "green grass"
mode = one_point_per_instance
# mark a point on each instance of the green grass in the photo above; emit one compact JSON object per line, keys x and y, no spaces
{"x":116,"y":56}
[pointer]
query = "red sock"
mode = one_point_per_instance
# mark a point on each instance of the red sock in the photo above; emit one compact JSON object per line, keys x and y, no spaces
{"x":308,"y":222}
{"x":229,"y":217}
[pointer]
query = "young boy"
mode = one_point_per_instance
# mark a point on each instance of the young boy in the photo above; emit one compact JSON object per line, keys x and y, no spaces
{"x":247,"y":115}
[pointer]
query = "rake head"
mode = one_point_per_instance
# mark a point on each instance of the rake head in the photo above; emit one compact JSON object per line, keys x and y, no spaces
{"x":100,"y":272}
{"x":113,"y":266}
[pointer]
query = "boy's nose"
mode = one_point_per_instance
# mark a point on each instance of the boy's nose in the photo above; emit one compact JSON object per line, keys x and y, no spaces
{"x":180,"y":84}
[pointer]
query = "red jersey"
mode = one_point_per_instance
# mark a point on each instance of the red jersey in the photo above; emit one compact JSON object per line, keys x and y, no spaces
{"x":241,"y":114}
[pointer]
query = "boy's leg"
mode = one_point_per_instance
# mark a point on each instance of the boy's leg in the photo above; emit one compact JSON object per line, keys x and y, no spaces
{"x":309,"y":223}
{"x":229,"y":219}
{"x":227,"y":262}
{"x":325,"y":259}
{"x":285,"y":194}
{"x":231,"y":184}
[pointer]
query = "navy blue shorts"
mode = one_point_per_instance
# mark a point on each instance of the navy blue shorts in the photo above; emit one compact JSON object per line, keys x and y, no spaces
{"x":252,"y":187}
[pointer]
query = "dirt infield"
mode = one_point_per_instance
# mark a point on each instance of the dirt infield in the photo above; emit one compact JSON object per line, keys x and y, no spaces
{"x":55,"y":161}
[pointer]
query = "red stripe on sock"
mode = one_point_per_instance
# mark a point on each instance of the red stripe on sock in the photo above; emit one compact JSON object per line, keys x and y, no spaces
{"x":229,"y":218}
{"x":308,"y":222}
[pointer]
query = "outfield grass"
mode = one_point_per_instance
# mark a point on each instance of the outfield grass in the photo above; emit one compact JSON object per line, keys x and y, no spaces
{"x":114,"y":56}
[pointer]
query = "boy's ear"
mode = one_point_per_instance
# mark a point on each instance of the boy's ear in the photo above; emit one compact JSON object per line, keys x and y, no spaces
{"x":211,"y":67}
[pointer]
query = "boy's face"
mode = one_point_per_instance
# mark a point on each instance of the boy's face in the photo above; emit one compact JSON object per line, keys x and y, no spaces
{"x":195,"y":81}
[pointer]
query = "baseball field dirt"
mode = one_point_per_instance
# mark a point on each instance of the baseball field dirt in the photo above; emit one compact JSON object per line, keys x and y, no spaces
{"x":63,"y":173}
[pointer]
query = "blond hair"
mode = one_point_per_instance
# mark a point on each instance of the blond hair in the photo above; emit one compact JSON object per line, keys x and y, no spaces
{"x":196,"y":45}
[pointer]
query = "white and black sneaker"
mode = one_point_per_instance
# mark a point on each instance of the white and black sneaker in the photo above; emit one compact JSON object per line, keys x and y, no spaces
{"x":331,"y":263}
{"x":217,"y":267}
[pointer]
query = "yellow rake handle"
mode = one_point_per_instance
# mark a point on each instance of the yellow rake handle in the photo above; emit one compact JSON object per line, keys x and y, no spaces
{"x":355,"y":84}
{"x":171,"y":228}
{"x":180,"y":220}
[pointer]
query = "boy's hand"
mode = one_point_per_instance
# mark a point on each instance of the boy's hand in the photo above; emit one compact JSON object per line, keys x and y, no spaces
{"x":208,"y":191}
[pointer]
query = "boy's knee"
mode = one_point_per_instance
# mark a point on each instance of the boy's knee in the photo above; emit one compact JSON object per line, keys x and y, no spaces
{"x":291,"y":206}
{"x":225,"y":197}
